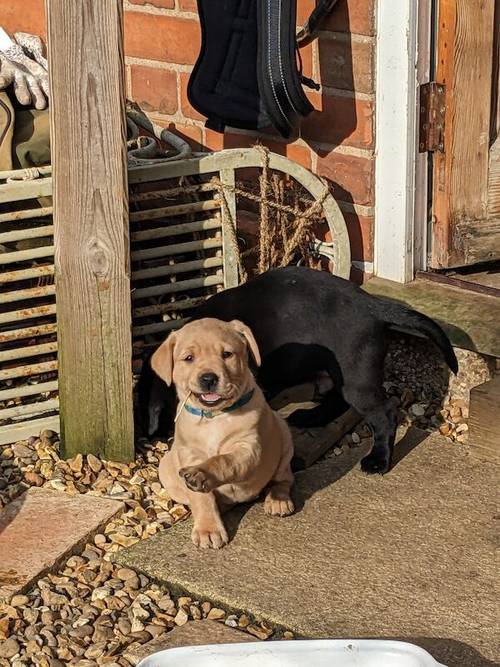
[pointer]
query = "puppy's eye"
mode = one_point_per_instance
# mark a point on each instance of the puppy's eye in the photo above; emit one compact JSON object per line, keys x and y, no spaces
{"x":189,"y":358}
{"x":226,"y":354}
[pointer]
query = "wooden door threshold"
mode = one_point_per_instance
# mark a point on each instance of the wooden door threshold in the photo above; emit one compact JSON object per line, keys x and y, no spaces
{"x":453,"y":281}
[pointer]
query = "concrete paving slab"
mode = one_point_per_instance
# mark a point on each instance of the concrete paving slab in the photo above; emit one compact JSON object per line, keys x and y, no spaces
{"x":194,"y":633}
{"x":41,"y":528}
{"x":410,"y":555}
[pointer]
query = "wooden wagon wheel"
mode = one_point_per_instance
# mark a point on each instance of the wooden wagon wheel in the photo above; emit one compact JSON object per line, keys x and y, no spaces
{"x":225,"y":163}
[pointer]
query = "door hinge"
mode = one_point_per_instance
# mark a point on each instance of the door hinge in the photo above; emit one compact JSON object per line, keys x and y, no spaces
{"x":432,"y":108}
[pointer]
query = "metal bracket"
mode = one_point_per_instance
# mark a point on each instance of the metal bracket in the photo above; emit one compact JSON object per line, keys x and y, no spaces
{"x":323,"y":248}
{"x":432,"y":108}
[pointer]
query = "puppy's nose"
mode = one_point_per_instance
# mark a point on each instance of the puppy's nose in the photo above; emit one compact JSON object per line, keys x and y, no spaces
{"x":208,"y":381}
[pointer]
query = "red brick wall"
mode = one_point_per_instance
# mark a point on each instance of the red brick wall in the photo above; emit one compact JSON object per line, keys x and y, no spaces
{"x":337,"y":140}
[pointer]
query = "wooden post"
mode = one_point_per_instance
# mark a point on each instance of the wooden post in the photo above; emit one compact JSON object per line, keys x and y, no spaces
{"x":91,"y":237}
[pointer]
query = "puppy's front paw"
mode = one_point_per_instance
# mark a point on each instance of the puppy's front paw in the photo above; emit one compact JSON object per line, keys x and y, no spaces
{"x":197,"y":479}
{"x":278,"y":506}
{"x":209,"y":537}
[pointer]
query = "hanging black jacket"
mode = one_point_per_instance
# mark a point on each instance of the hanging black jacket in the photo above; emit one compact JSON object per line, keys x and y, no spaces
{"x":246,"y":75}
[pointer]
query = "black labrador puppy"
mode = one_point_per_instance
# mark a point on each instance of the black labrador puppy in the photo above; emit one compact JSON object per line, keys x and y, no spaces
{"x":306,"y":322}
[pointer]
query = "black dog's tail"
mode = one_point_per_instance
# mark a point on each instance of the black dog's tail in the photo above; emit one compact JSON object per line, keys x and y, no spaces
{"x":400,"y":316}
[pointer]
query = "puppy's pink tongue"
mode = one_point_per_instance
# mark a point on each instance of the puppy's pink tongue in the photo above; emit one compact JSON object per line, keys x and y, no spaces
{"x":210,"y":398}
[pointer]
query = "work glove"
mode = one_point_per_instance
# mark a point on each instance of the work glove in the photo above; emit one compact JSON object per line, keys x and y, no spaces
{"x":33,"y":47}
{"x":23,"y":65}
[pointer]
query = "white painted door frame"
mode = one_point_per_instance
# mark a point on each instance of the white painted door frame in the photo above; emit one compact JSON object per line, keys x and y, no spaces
{"x":402,"y":64}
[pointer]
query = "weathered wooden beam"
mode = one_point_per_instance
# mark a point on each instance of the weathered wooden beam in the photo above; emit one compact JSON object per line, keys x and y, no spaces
{"x":91,"y":238}
{"x":484,"y":434}
{"x":312,"y":443}
{"x":477,"y":241}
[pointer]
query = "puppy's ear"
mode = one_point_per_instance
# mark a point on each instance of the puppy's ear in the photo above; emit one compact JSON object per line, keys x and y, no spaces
{"x":247,"y":334}
{"x":162,"y":361}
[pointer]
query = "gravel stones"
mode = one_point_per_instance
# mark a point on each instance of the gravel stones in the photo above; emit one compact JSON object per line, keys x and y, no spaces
{"x":22,"y":451}
{"x":19,"y":600}
{"x":91,"y":611}
{"x":216,"y":614}
{"x":259,"y":631}
{"x":430,"y":396}
{"x":9,"y":648}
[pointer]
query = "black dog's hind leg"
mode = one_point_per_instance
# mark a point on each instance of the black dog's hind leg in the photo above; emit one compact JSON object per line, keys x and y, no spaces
{"x":332,"y":406}
{"x":381,"y":416}
{"x":383,"y":422}
{"x":363,"y":390}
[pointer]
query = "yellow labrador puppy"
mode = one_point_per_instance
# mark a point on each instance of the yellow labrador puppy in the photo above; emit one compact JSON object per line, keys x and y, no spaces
{"x":228,"y":443}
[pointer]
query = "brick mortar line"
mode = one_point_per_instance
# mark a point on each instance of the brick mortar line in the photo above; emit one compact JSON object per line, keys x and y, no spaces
{"x":330,"y":91}
{"x":178,"y":91}
{"x":176,"y":117}
{"x":367,"y":153}
{"x":159,"y":11}
{"x":128,"y":82}
{"x":359,"y":209}
{"x":359,"y":38}
{"x":158,"y":64}
{"x":316,"y":66}
{"x":314,"y":147}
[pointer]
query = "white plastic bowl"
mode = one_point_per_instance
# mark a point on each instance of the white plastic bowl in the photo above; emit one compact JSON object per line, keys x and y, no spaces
{"x":304,"y":653}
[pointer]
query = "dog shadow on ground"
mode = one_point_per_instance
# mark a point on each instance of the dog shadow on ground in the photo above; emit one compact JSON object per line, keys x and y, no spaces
{"x":324,"y":474}
{"x":321,"y":475}
{"x":450,"y":652}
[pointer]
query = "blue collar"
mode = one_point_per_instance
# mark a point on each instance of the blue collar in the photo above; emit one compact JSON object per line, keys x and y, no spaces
{"x":209,"y":414}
